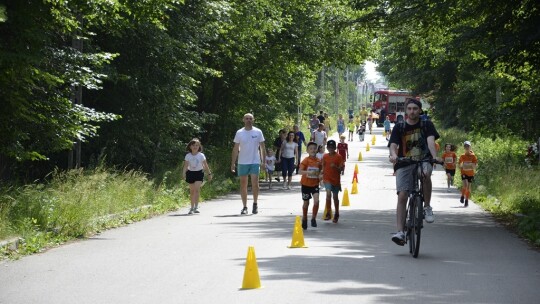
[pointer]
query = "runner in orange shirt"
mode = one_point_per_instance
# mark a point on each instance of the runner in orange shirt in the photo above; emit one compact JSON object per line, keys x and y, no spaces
{"x":467,"y":165}
{"x":310,"y":169}
{"x":449,"y":157}
{"x":332,"y":164}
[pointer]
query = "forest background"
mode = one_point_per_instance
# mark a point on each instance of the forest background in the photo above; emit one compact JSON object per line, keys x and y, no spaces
{"x":99,"y":98}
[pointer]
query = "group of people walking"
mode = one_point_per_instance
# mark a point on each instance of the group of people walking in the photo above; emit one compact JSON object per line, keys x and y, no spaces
{"x":412,"y":138}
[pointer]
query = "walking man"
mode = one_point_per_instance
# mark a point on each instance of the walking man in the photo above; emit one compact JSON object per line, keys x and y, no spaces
{"x":249,"y":149}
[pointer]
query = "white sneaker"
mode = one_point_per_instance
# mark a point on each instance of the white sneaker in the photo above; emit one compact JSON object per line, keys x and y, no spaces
{"x":428,"y":215}
{"x":284,"y":186}
{"x":289,"y":187}
{"x":190,"y":211}
{"x":399,"y":238}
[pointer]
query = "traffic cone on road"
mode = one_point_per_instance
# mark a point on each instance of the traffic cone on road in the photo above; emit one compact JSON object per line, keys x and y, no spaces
{"x":359,"y":156}
{"x":345,"y":200}
{"x":251,"y":272}
{"x":354,"y":189}
{"x":373,"y":140}
{"x":298,"y":234}
{"x":367,"y":147}
{"x":355,"y":177}
{"x":356,"y":168}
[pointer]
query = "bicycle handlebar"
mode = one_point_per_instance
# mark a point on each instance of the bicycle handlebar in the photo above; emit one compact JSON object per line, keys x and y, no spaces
{"x":411,"y":161}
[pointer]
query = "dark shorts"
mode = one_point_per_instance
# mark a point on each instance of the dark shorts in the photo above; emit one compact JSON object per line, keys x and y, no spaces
{"x":452,"y":172}
{"x":307,"y":192}
{"x":466,"y":177}
{"x":194,"y":176}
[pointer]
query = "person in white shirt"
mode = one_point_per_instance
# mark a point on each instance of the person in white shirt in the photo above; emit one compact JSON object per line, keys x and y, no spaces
{"x":192,"y":172}
{"x":248,"y":147}
{"x":319,"y":136}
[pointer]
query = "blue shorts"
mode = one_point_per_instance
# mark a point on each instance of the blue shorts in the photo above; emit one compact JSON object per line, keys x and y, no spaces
{"x":334,"y":188}
{"x":252,"y":169}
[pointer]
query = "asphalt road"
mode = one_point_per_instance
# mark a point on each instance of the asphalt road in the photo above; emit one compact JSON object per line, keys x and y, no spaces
{"x":465,"y":256}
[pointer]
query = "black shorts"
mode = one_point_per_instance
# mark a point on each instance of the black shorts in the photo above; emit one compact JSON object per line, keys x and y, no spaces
{"x":307,"y":192}
{"x":194,"y":176}
{"x":452,"y":172}
{"x":466,"y":177}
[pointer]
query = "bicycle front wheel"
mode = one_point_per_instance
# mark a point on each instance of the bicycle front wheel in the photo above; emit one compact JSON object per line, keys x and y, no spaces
{"x":417,"y":219}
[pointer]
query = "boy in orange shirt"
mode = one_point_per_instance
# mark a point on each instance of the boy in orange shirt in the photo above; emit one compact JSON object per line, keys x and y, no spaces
{"x":467,"y":165}
{"x":343,"y":150}
{"x":332,"y":164}
{"x":449,"y":157}
{"x":310,"y":169}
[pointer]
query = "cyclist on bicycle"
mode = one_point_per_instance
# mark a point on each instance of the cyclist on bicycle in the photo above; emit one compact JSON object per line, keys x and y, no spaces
{"x":416,"y":139}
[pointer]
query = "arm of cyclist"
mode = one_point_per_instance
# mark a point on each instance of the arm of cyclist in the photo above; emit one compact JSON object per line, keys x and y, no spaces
{"x":432,"y":150}
{"x":393,"y":153}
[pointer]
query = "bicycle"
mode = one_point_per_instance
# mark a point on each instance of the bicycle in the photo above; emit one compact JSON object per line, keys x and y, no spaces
{"x":414,"y":220}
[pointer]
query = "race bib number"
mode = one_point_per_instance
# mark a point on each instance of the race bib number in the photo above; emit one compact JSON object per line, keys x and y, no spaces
{"x":468,"y":165}
{"x":313,"y":172}
{"x":449,"y":160}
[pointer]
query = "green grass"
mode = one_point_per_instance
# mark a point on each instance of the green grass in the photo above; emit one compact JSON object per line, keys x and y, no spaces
{"x":504,"y":184}
{"x":79,"y":203}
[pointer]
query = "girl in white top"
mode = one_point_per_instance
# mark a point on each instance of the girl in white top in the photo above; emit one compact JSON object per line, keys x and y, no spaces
{"x":192,"y":172}
{"x":288,"y":155}
{"x":270,"y":165}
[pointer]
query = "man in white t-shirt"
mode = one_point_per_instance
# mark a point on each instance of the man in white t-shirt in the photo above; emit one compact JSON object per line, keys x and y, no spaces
{"x":250,"y":150}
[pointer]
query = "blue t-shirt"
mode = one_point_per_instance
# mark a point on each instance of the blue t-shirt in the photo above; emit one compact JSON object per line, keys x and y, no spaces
{"x":300,"y":138}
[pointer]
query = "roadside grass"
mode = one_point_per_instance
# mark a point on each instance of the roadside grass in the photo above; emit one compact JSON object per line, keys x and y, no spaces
{"x":504,"y":185}
{"x":80,"y":203}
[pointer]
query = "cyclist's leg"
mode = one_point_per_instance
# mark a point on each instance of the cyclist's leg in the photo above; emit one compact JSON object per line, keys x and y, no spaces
{"x":404,"y":184}
{"x":427,"y":183}
{"x":401,"y":210}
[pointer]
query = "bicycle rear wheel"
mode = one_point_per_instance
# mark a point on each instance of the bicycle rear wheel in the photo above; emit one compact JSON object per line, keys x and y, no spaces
{"x":417,"y":221}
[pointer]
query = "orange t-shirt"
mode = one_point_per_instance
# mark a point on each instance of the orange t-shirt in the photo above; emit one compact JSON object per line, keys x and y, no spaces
{"x":313,"y":165}
{"x":331,"y":174}
{"x":467,"y":163}
{"x":449,"y":159}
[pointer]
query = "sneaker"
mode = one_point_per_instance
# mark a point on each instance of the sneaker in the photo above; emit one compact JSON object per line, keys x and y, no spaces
{"x":277,"y":178}
{"x":399,"y":238}
{"x":448,"y":190}
{"x":244,"y":210}
{"x":284,"y":186}
{"x":196,"y":210}
{"x":466,"y":203}
{"x":288,"y":187}
{"x":461,"y":199}
{"x":304,"y":224}
{"x":313,"y":223}
{"x":428,"y":214}
{"x":190,"y":211}
{"x":255,"y":208}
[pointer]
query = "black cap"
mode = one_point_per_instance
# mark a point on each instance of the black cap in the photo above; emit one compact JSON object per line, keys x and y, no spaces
{"x":331,"y":143}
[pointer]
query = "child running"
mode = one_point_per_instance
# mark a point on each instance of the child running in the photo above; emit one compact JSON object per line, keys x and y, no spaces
{"x":361,"y":131}
{"x":449,"y":157}
{"x":343,"y":150}
{"x":310,"y":169}
{"x":467,"y":165}
{"x":270,"y":164}
{"x":332,"y":164}
{"x":351,"y":127}
{"x":192,"y":172}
